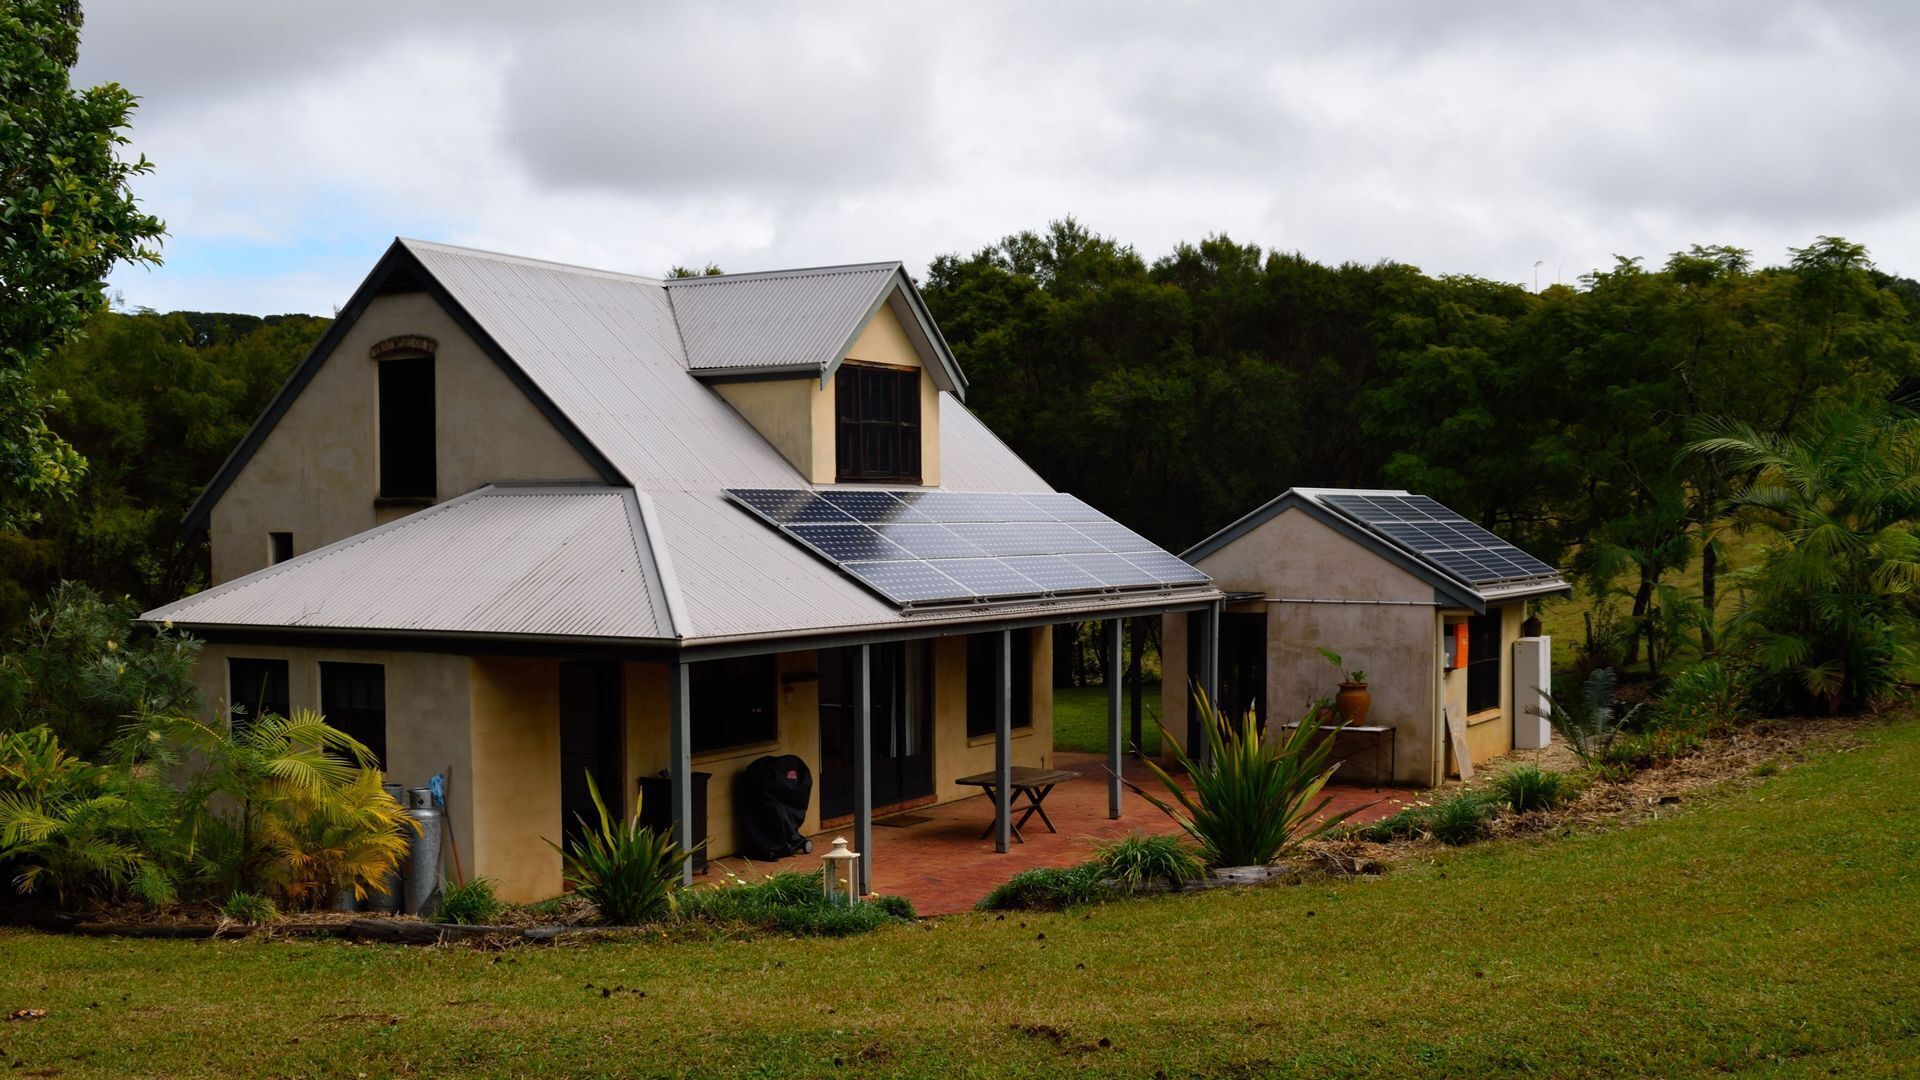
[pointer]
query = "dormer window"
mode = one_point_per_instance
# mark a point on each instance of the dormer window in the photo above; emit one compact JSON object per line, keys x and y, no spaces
{"x":878,"y":430}
{"x":407,"y":465}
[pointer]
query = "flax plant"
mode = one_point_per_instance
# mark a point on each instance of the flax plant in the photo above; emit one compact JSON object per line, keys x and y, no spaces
{"x":1254,"y":794}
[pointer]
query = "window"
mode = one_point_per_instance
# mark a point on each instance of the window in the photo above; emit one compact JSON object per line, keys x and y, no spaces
{"x":279,"y":547}
{"x":406,"y":428}
{"x":256,"y":688}
{"x":353,"y":698}
{"x":1483,"y":663}
{"x":733,"y":702}
{"x":983,"y":680}
{"x":878,"y":436}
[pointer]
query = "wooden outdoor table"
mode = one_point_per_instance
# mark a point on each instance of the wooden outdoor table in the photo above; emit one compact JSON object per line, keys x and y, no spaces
{"x":1028,"y":783}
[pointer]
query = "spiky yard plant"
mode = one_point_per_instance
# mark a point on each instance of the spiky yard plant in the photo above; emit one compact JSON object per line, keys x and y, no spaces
{"x":1254,"y":789}
{"x":1527,"y":788}
{"x":1133,"y":862}
{"x":471,"y":902}
{"x":629,"y":872}
{"x":1588,"y":719}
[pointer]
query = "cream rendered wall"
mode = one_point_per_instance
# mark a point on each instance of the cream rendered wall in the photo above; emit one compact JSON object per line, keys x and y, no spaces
{"x":428,"y":726}
{"x":954,"y":753}
{"x":797,"y":415}
{"x":317,"y":473}
{"x":1386,"y":626}
{"x":1490,"y":731}
{"x":516,"y":776}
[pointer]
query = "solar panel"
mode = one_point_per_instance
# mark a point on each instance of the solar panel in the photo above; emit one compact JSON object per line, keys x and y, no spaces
{"x":1442,"y":537}
{"x":944,"y":547}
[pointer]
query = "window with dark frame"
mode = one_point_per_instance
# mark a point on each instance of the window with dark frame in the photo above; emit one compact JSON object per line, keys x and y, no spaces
{"x":733,"y":702}
{"x":983,"y":682}
{"x":877,"y":436}
{"x":353,"y":698}
{"x":1483,"y":663}
{"x":407,"y":465}
{"x":256,"y":688}
{"x":279,"y":547}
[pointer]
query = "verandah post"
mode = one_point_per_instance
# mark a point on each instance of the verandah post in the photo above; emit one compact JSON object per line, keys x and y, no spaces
{"x":1114,"y":678}
{"x":680,"y":761}
{"x":863,"y":766}
{"x":1003,"y":742}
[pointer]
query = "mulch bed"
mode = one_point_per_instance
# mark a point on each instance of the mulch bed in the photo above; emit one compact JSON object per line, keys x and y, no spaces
{"x":1728,"y":761}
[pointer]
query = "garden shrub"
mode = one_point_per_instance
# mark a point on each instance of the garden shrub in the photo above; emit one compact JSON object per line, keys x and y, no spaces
{"x":72,"y":831}
{"x":1461,"y":819}
{"x":1254,"y":796}
{"x":630,"y":873}
{"x":1588,"y":718}
{"x":1410,"y":822}
{"x":1526,"y":788}
{"x":1134,"y":862}
{"x":470,"y":903}
{"x":793,"y":902}
{"x":249,"y":909}
{"x":1710,"y":698}
{"x":1050,"y":888}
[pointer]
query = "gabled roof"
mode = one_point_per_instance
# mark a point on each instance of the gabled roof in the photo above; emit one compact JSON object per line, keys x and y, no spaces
{"x":606,"y":356}
{"x":551,"y":560}
{"x":1450,"y":589}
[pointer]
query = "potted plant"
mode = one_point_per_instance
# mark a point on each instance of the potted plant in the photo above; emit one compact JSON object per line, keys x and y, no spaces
{"x":1353,"y":700}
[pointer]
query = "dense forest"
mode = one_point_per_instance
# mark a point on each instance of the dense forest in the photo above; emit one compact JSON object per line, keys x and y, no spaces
{"x":1182,"y":393}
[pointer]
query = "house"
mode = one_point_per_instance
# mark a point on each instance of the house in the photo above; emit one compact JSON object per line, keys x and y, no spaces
{"x":1429,"y":604}
{"x":519,"y":522}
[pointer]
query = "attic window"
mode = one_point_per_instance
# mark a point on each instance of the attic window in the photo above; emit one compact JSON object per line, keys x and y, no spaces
{"x":878,"y":430}
{"x":407,"y":465}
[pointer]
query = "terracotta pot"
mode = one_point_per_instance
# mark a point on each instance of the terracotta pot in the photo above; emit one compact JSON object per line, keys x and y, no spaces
{"x":1352,"y":702}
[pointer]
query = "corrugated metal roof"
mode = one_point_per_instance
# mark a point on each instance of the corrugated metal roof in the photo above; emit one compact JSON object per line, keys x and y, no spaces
{"x":791,"y":319}
{"x":604,"y":347}
{"x":536,"y":561}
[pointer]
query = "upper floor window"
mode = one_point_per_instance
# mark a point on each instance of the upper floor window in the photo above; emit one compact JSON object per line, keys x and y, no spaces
{"x":407,"y":465}
{"x":878,"y":430}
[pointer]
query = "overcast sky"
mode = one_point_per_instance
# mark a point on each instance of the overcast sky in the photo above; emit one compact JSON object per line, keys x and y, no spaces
{"x":293,"y":142}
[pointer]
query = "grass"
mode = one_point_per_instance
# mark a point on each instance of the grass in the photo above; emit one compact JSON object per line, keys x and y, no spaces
{"x":1080,"y":718}
{"x":1757,"y":930}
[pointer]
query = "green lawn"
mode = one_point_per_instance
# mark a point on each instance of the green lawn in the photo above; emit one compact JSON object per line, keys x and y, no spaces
{"x":1080,"y":718}
{"x":1767,"y":930}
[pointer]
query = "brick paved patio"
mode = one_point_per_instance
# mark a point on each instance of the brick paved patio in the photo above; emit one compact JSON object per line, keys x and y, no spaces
{"x":943,"y":865}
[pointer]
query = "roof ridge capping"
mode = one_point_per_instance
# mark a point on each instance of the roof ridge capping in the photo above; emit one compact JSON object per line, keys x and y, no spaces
{"x":798,"y":271}
{"x":413,"y":243}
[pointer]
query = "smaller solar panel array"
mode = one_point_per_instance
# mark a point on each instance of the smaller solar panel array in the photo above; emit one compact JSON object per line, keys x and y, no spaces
{"x":1442,"y":537}
{"x":944,"y":547}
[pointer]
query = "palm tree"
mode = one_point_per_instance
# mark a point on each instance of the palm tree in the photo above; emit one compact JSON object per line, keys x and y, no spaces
{"x":1834,"y":613}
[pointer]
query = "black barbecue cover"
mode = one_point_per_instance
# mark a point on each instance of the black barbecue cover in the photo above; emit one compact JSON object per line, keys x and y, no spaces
{"x":774,"y":794}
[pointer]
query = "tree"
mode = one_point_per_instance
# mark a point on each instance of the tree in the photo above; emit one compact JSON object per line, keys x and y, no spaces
{"x":1835,"y":613}
{"x":67,"y":217}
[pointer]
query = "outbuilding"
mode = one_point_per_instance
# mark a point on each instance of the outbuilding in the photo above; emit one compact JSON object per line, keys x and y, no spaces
{"x":1429,"y":605}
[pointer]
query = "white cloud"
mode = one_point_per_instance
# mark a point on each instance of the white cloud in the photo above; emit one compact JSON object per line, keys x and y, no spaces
{"x":292,"y":142}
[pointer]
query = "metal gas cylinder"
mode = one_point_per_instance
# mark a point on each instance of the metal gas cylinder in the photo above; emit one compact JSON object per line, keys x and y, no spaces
{"x":386,"y":895}
{"x":423,"y":859}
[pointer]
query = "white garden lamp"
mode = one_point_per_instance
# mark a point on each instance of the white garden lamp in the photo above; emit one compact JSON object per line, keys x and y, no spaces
{"x":837,"y":874}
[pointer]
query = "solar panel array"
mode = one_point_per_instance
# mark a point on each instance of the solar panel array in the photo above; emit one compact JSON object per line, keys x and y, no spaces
{"x":1442,"y":537}
{"x":945,"y":547}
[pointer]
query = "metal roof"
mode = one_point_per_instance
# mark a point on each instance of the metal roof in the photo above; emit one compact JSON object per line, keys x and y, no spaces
{"x":541,"y":561}
{"x":1449,"y":587}
{"x":602,"y":353}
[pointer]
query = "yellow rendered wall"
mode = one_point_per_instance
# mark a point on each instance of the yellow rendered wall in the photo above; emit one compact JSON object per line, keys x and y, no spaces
{"x":317,"y":474}
{"x":797,"y":415}
{"x":1490,"y":731}
{"x":427,"y":713}
{"x":516,"y":769}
